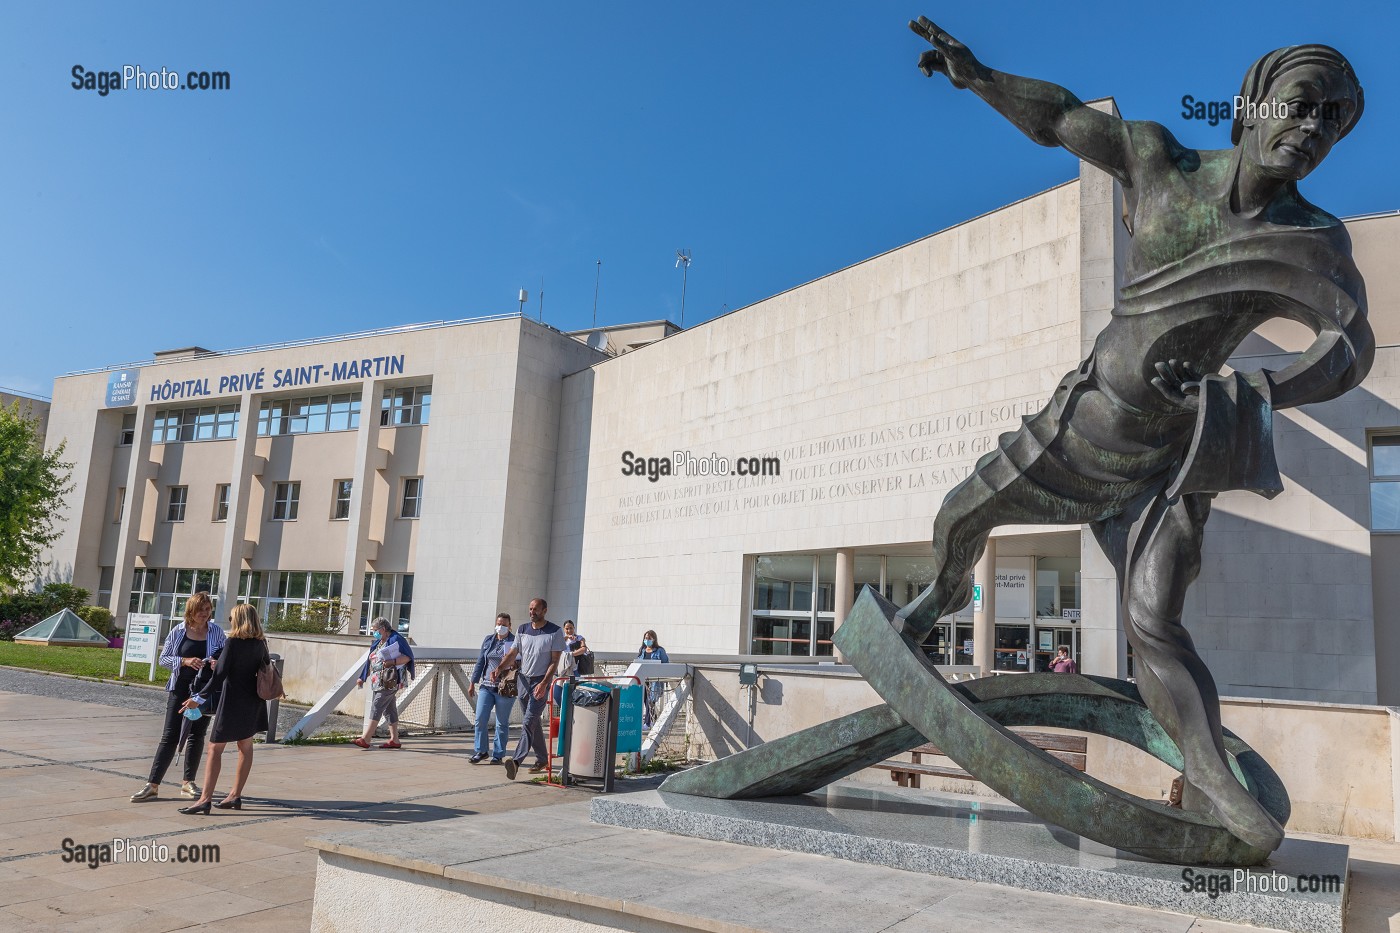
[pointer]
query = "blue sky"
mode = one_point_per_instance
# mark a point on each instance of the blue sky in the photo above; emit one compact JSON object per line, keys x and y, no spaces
{"x":381,"y":164}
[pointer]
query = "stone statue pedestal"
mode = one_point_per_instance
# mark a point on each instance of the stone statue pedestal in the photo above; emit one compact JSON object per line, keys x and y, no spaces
{"x":1000,"y":843}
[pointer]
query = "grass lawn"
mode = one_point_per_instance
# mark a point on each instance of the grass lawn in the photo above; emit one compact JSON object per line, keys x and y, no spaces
{"x":97,"y":662}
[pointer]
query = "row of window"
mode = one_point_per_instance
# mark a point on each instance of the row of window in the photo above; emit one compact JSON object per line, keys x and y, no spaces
{"x":209,"y":423}
{"x":315,"y":414}
{"x":286,"y":501}
{"x":165,"y":591}
{"x":312,"y":414}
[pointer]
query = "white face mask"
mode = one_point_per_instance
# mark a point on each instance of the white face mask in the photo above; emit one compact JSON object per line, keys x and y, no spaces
{"x":502,"y":630}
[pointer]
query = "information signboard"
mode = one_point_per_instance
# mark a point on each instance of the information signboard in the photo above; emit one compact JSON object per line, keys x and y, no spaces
{"x":629,"y":719}
{"x":142,"y":643}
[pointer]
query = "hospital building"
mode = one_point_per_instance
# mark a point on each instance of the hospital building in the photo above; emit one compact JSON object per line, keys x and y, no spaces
{"x":435,"y":474}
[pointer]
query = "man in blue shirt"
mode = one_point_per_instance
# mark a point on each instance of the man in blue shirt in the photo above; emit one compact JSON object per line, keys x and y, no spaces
{"x":537,"y":646}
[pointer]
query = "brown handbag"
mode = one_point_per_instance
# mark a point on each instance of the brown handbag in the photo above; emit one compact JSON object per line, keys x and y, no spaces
{"x":269,"y":681}
{"x":507,"y":684}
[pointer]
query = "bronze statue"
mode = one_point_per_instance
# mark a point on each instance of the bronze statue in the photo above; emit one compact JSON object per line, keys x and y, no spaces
{"x":1135,"y":442}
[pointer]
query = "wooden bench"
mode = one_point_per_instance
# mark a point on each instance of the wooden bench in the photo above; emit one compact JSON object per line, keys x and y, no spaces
{"x":1071,"y":749}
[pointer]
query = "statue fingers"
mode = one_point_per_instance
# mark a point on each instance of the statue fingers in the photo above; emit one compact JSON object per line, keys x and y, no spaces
{"x":932,"y":34}
{"x":1166,"y":374}
{"x":932,"y":61}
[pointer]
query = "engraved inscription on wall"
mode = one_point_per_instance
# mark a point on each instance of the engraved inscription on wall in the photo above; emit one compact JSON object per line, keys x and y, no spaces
{"x":917,"y":456}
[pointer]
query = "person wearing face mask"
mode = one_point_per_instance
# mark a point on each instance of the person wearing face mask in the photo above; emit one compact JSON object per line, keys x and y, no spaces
{"x":484,"y":689}
{"x":651,"y":650}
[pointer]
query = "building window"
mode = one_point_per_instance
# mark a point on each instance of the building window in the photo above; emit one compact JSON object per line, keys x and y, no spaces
{"x":1385,"y":482}
{"x":314,"y":414}
{"x":104,"y":585}
{"x":250,"y":591}
{"x":175,"y":511}
{"x":120,"y":509}
{"x":389,"y":595}
{"x":408,"y":405}
{"x":210,"y":423}
{"x":128,"y":434}
{"x":284,"y":502}
{"x":299,"y":594}
{"x":221,"y":502}
{"x":412,"y":497}
{"x":165,"y":592}
{"x":185,"y":583}
{"x":340,"y":499}
{"x":784,"y":613}
{"x":145,"y":590}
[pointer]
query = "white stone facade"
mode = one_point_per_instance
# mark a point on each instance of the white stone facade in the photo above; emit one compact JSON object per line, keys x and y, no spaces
{"x":876,"y":387}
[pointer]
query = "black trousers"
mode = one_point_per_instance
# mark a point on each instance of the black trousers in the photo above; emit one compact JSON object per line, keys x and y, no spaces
{"x":170,"y":737}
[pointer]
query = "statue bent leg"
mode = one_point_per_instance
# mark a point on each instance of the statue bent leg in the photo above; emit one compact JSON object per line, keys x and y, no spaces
{"x":1156,"y":548}
{"x":996,"y":493}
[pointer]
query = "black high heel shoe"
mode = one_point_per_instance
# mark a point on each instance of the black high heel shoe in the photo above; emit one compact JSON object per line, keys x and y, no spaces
{"x":198,"y":808}
{"x":230,"y":803}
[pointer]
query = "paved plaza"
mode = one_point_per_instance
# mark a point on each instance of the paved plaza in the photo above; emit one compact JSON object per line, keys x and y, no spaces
{"x":72,"y":752}
{"x":68,"y":766}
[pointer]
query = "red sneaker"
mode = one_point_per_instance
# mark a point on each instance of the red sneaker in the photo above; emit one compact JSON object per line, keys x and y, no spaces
{"x":361,"y":742}
{"x":390,"y":745}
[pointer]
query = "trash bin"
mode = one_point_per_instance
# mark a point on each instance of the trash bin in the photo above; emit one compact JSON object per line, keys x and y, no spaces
{"x":588,"y":736}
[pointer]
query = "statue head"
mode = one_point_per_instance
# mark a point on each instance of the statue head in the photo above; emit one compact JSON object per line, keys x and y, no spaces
{"x":1294,"y":105}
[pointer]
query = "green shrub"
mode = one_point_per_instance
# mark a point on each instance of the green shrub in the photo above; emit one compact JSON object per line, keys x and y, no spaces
{"x":318,"y":617}
{"x":43,"y":603}
{"x":100,"y":618}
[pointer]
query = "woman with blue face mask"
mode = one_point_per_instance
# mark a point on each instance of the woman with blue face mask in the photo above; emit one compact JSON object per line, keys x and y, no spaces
{"x":651,"y":650}
{"x":484,"y":688}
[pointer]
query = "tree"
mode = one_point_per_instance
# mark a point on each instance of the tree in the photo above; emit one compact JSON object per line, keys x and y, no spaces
{"x":32,"y":486}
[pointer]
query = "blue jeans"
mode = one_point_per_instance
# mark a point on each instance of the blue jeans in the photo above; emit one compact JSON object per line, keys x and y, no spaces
{"x":532,"y":728}
{"x":488,"y":699}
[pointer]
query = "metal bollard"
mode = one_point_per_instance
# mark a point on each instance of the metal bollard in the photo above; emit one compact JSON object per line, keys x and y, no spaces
{"x":272,"y":705}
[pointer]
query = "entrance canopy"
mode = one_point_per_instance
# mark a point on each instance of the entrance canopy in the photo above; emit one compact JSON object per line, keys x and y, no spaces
{"x":62,"y":628}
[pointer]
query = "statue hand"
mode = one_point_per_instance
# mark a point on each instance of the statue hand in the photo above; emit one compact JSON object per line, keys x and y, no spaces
{"x":1179,"y":383}
{"x":948,"y":56}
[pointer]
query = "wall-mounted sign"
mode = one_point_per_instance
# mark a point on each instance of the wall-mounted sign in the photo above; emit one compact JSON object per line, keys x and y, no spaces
{"x":121,"y":388}
{"x":1070,"y":614}
{"x":967,"y":646}
{"x":258,"y":380}
{"x":1014,"y":588}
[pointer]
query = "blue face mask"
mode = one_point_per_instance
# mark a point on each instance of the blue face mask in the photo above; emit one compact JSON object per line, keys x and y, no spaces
{"x":648,"y":642}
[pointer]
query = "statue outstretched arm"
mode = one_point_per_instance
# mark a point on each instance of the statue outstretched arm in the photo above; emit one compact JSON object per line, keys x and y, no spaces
{"x":1049,"y":114}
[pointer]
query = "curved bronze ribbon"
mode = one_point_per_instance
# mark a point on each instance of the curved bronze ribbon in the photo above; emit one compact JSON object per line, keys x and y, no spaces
{"x":969,"y":723}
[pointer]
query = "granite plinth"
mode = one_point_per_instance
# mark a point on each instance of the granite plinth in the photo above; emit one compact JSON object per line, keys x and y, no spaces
{"x":1002,"y":844}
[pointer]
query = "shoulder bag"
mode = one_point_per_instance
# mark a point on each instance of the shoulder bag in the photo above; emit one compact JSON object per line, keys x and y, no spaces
{"x":269,"y":681}
{"x":507,"y":683}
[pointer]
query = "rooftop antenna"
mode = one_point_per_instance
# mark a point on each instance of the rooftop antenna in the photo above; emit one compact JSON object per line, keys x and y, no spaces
{"x":523,"y":297}
{"x":597,"y":277}
{"x":683,"y":263}
{"x":541,"y":299}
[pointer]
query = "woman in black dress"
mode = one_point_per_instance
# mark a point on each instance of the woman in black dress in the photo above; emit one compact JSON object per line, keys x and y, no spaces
{"x":242,"y":714}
